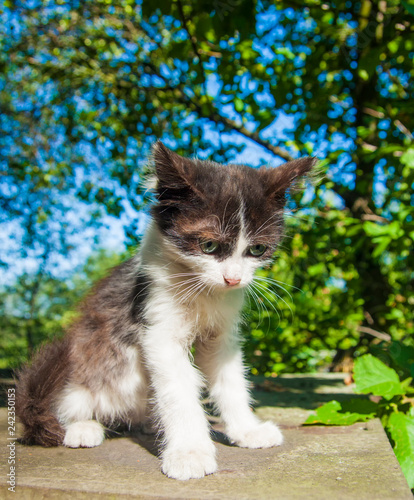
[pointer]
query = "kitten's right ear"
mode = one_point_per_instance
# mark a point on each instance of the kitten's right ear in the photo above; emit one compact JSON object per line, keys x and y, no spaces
{"x":172,"y":170}
{"x":288,"y":177}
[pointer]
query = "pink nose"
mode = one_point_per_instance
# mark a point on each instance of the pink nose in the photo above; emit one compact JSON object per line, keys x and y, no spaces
{"x":231,"y":282}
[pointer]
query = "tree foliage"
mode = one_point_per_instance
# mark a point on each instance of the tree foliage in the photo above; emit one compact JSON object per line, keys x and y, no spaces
{"x":37,"y":308}
{"x":86,"y":87}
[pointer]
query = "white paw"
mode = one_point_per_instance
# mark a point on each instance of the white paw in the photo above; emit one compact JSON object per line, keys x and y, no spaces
{"x":85,"y":434}
{"x":188,"y":464}
{"x":262,"y":435}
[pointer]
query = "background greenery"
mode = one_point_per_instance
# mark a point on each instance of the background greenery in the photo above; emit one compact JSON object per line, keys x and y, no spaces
{"x":87,"y":86}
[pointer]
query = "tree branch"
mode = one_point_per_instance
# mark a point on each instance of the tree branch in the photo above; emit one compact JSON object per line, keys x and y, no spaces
{"x":380,"y":115}
{"x":217,"y":118}
{"x":193,"y":41}
{"x":254,"y":136}
{"x":375,"y":218}
{"x":214,"y":115}
{"x":374,"y":333}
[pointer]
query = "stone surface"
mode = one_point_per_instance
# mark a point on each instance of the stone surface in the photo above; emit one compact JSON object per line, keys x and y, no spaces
{"x":354,"y":462}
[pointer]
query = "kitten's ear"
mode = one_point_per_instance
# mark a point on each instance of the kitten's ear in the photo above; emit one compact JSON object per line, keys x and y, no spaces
{"x":172,"y":170}
{"x":287,"y":177}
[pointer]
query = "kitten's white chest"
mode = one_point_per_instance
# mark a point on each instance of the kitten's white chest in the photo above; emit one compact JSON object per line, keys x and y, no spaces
{"x":214,"y":314}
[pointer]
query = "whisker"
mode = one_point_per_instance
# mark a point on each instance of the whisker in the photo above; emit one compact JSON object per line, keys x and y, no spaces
{"x":277,"y":223}
{"x":182,"y":287}
{"x":265,"y":222}
{"x":171,"y":286}
{"x":230,"y":221}
{"x":224,"y":216}
{"x":278,"y":283}
{"x":253,"y":295}
{"x":202,"y":288}
{"x":271,"y":282}
{"x":268,"y":300}
{"x":197,"y":292}
{"x":190,"y":290}
{"x":148,"y":283}
{"x":283,"y":247}
{"x":276,"y":295}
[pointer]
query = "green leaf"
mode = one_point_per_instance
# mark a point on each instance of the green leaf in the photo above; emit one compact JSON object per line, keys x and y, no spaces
{"x":374,"y":229}
{"x":362,"y":406}
{"x":392,"y":230}
{"x":316,"y":269}
{"x":408,"y":157}
{"x":363,"y":74}
{"x":382,"y":243}
{"x":373,"y":376}
{"x":401,"y":429}
{"x":402,"y":355}
{"x":408,"y":6}
{"x":406,"y":385}
{"x":238,"y":104}
{"x":335,"y":413}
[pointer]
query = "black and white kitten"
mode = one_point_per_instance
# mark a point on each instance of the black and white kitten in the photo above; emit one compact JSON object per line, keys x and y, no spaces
{"x":127,"y":358}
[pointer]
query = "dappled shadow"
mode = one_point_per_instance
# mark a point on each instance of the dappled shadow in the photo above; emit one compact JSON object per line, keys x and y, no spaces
{"x":300,"y":391}
{"x":303,"y":381}
{"x":6,"y":382}
{"x":221,"y":438}
{"x":153,"y":443}
{"x":304,"y":401}
{"x":150,"y":442}
{"x":306,"y":392}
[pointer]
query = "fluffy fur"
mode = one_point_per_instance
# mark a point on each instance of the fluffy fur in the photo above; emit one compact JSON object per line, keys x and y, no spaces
{"x":127,"y":359}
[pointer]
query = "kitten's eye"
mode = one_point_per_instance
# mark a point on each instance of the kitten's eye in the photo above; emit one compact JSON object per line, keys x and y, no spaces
{"x":257,"y":250}
{"x":209,"y":246}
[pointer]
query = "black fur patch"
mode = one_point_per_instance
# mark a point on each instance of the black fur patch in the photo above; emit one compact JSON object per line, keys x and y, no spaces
{"x":200,"y":201}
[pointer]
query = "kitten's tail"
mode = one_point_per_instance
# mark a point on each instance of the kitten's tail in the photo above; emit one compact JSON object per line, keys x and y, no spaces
{"x":37,"y":387}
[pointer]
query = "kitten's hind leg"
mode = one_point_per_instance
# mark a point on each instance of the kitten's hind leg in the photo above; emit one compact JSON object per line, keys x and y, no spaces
{"x":86,"y":434}
{"x":75,"y":411}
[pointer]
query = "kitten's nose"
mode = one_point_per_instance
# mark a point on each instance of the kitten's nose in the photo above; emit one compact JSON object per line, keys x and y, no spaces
{"x":231,"y":282}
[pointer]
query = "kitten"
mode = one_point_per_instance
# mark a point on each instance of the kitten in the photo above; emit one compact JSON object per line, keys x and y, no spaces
{"x":127,"y":358}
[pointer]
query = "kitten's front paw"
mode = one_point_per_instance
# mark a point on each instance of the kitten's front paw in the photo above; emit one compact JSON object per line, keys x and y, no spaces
{"x":86,"y":434}
{"x":262,"y":435}
{"x":188,"y":464}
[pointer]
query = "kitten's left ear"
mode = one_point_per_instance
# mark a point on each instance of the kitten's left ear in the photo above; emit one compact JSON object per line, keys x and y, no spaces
{"x":172,"y":170}
{"x":286,"y":177}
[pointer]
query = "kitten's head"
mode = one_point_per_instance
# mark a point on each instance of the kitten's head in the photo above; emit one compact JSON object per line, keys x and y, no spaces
{"x":222,"y":222}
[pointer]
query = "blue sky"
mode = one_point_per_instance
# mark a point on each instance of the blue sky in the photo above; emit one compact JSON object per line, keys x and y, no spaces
{"x":110,"y":234}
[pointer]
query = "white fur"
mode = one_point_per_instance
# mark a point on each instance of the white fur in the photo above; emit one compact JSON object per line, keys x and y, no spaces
{"x":237,"y":267}
{"x":189,"y":302}
{"x":221,"y":360}
{"x":127,"y":399}
{"x":176,"y":384}
{"x":189,"y":464}
{"x":210,"y":320}
{"x":84,"y":434}
{"x":259,"y":435}
{"x":75,"y":404}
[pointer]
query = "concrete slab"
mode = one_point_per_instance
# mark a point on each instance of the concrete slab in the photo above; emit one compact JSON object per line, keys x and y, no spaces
{"x":355,"y":462}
